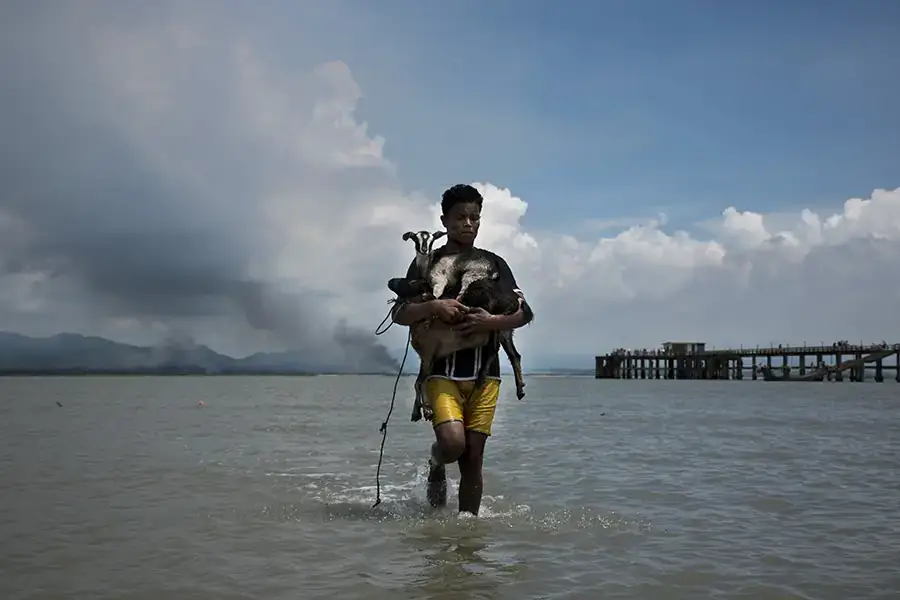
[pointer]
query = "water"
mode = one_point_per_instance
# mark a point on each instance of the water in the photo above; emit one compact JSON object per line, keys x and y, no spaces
{"x":594,"y":489}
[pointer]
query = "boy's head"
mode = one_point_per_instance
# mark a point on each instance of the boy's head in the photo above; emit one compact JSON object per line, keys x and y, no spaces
{"x":461,"y":213}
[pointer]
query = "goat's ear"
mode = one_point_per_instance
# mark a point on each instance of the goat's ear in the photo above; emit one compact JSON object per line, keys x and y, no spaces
{"x":438,"y":235}
{"x":407,"y":236}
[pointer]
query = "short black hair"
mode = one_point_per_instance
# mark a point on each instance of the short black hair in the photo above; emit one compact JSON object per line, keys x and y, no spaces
{"x":461,"y":193}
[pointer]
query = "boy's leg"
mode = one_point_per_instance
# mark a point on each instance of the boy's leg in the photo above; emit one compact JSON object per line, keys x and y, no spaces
{"x":479,"y":416}
{"x":471,"y":482}
{"x":446,"y":401}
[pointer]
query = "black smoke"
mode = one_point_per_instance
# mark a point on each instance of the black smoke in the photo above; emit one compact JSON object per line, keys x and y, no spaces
{"x":135,"y":223}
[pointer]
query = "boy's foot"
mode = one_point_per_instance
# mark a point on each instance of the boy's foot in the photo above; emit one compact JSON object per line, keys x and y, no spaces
{"x":436,"y":492}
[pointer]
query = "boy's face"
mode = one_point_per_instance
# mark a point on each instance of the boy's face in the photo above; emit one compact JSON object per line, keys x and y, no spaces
{"x":461,"y":222}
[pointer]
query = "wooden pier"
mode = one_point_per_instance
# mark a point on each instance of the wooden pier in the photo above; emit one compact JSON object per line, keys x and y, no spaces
{"x":691,"y":360}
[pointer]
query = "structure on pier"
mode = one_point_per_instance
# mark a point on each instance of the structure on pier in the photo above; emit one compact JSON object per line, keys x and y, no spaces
{"x":691,"y":360}
{"x":684,"y":347}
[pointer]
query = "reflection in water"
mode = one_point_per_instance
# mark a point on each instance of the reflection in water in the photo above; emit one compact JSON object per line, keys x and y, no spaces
{"x":438,"y":553}
{"x":461,"y":559}
{"x":447,"y":555}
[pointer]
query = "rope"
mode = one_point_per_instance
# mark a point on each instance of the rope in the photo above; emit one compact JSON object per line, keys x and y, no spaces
{"x":379,"y":330}
{"x":384,"y":424}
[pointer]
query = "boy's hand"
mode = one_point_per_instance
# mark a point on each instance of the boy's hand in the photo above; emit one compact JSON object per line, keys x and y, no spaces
{"x":448,"y":310}
{"x":477,"y":320}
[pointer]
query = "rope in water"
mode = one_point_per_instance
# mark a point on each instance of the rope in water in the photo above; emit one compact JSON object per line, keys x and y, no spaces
{"x":384,"y":424}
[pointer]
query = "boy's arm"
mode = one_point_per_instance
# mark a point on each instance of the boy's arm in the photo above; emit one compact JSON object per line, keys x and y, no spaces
{"x":521,"y":317}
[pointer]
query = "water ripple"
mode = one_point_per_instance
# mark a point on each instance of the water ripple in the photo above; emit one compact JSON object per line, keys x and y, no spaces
{"x":593,"y":489}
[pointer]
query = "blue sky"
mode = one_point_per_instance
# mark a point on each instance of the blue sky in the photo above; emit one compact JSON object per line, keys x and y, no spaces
{"x":622,"y":109}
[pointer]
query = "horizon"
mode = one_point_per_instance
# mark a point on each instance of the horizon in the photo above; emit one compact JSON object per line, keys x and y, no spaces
{"x":579,"y":365}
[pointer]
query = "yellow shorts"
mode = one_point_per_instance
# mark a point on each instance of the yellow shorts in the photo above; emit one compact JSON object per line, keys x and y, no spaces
{"x":462,"y":401}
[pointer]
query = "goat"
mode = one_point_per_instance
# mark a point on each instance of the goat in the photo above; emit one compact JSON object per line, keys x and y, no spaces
{"x":479,"y":287}
{"x":430,"y":339}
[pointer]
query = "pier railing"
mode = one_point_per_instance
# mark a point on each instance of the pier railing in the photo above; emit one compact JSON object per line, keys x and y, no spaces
{"x":830,"y":361}
{"x":776,"y":350}
{"x":764,"y":351}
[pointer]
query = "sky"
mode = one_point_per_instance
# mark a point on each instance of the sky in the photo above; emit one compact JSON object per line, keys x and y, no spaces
{"x":652,"y":171}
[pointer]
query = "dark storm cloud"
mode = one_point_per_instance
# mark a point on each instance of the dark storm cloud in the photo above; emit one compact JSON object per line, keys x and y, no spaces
{"x":143,"y":232}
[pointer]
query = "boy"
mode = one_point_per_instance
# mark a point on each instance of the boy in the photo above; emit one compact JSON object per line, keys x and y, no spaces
{"x":462,"y":413}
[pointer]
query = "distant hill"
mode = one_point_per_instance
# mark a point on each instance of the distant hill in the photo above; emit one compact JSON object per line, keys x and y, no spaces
{"x":68,"y":353}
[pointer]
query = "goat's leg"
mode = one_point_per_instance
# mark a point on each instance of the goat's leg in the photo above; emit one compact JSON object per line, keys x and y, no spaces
{"x":421,"y":408}
{"x":424,"y":402}
{"x":466,"y":280}
{"x":483,"y":371}
{"x":441,"y":275}
{"x":417,"y":403}
{"x":437,"y":290}
{"x":424,"y":347}
{"x":486,"y":364}
{"x":515,"y":359}
{"x":439,"y":279}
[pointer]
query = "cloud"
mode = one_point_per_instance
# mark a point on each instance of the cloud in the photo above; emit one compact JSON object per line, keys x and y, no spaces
{"x":178,"y":182}
{"x":827,"y":277}
{"x":166,"y":175}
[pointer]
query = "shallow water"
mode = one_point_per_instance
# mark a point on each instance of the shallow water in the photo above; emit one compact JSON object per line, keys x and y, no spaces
{"x":594,"y":489}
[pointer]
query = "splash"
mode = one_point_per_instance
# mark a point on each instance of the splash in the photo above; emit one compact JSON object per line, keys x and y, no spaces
{"x":334,"y":497}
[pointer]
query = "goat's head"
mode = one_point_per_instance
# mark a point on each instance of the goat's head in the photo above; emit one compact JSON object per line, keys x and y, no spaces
{"x":424,"y":241}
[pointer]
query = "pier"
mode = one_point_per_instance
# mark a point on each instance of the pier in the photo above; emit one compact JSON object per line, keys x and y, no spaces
{"x":692,"y":360}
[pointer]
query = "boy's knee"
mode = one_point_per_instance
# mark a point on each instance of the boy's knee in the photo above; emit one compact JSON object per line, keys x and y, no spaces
{"x":451,"y":450}
{"x":451,"y":442}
